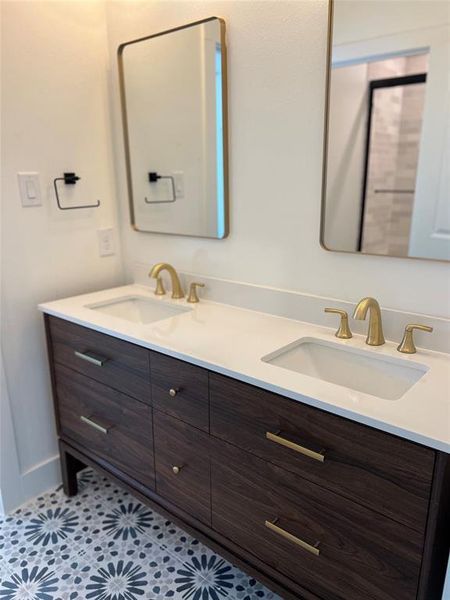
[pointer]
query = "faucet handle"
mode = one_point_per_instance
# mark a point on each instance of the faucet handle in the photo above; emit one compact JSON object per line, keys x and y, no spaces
{"x":193,"y":296}
{"x":407,"y":345}
{"x":159,"y":289}
{"x":344,"y":330}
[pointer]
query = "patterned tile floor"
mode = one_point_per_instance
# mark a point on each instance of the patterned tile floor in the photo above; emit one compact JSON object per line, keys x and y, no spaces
{"x":103,"y":544}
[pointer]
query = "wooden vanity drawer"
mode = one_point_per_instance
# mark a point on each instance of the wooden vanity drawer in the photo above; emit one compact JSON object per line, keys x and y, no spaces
{"x":180,"y":389}
{"x":380,"y":471}
{"x":180,"y":446}
{"x":360,"y":553}
{"x":119,"y":364}
{"x":106,"y":422}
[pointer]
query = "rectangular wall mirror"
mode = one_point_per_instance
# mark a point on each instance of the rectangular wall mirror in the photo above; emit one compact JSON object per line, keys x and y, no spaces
{"x":174,"y":110}
{"x":386,"y":167}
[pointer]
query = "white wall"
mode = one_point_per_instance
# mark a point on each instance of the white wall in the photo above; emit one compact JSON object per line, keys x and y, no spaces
{"x":54,"y":118}
{"x":386,"y":17}
{"x":276,"y":101}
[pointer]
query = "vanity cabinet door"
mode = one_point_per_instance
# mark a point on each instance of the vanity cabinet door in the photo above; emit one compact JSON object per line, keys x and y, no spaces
{"x":121,"y":365}
{"x":183,"y":466}
{"x":380,"y":471}
{"x":107,"y":423}
{"x":180,"y":389}
{"x":332,"y":546}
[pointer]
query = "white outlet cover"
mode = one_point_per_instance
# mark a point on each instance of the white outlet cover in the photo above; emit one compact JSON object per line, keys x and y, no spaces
{"x":106,"y":241}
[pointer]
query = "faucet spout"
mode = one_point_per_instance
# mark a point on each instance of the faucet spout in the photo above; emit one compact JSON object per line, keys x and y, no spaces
{"x":375,"y":336}
{"x":177,"y":290}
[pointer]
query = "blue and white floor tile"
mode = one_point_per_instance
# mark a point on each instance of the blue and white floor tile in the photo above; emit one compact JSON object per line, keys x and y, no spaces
{"x":103,"y":544}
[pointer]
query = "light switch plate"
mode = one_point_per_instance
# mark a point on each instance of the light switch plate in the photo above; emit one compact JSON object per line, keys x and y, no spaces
{"x":30,"y":189}
{"x":106,"y":241}
{"x":178,"y":177}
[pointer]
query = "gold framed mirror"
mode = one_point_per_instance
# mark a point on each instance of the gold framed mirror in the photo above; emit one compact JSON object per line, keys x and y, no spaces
{"x":173,"y":88}
{"x":387,"y":130}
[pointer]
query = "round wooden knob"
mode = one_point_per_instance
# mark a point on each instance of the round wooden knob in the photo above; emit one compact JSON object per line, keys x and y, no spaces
{"x":173,"y":392}
{"x":176,"y":470}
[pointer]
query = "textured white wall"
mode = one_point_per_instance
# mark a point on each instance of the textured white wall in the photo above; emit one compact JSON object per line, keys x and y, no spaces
{"x":54,"y":118}
{"x":276,"y":101}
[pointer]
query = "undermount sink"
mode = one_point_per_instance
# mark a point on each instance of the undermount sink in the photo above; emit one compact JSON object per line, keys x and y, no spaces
{"x":138,"y":309}
{"x":382,"y":376}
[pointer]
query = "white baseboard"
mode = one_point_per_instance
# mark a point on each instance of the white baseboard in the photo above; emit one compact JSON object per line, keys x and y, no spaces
{"x":42,"y":477}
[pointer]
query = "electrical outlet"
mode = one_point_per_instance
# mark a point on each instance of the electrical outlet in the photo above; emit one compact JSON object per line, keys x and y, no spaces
{"x":178,"y":177}
{"x":106,"y":241}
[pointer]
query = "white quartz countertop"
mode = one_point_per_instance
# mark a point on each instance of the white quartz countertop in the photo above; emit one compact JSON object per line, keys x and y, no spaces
{"x":232,"y":341}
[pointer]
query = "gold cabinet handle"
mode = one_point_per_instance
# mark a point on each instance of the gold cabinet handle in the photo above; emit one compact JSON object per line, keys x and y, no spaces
{"x":272,"y":525}
{"x":173,"y":392}
{"x":94,"y":359}
{"x":193,"y":296}
{"x":343,"y":332}
{"x":274,"y":437}
{"x":176,"y":470}
{"x":407,"y":345}
{"x":95,"y":425}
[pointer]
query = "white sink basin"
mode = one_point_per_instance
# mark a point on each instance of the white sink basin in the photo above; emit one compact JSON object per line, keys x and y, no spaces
{"x":382,"y":376}
{"x":138,"y":309}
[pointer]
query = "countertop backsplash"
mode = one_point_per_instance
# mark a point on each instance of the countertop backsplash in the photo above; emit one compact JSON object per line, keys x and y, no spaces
{"x":307,"y":307}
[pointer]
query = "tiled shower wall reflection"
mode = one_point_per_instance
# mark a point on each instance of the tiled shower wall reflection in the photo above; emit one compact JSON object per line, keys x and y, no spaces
{"x":393,"y":156}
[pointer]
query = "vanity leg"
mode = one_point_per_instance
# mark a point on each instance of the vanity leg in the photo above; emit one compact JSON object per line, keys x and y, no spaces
{"x":69,"y":469}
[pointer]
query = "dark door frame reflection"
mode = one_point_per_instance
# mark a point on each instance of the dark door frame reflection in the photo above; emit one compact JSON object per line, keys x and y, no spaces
{"x":373,"y":86}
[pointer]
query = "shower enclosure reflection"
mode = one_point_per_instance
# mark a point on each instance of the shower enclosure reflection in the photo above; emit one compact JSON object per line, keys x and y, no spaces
{"x":386,"y":168}
{"x":394,"y":124}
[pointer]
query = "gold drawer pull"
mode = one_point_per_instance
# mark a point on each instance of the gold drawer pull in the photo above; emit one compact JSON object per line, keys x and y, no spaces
{"x":272,"y":525}
{"x":173,"y":392}
{"x":274,"y":437}
{"x":95,"y":425}
{"x":92,"y":358}
{"x":176,"y":470}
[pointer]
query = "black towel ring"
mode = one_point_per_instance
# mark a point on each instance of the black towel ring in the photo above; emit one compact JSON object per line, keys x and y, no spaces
{"x":70,"y":179}
{"x":153,"y":178}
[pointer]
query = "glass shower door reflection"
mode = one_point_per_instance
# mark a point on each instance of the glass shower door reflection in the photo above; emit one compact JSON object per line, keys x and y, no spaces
{"x":392,"y":153}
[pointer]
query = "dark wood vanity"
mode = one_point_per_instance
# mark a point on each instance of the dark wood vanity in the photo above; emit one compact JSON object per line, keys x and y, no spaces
{"x":316,"y":506}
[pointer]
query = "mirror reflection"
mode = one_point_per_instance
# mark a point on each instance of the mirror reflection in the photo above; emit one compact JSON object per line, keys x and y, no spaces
{"x":386,"y":186}
{"x":173,"y":101}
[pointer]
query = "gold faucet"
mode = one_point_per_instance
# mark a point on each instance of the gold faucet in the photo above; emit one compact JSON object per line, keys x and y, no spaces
{"x":344,"y":330}
{"x":193,"y":296}
{"x":375,"y":335}
{"x":177,"y":290}
{"x":407,"y":345}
